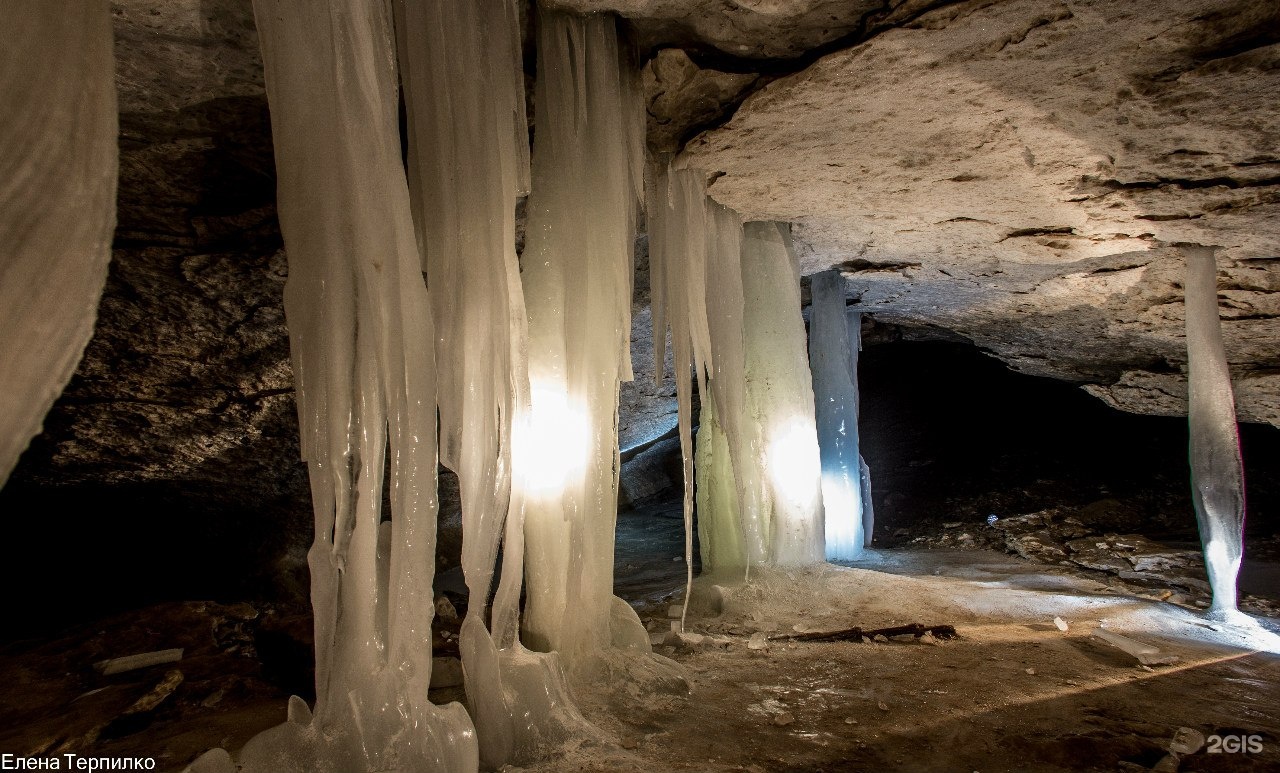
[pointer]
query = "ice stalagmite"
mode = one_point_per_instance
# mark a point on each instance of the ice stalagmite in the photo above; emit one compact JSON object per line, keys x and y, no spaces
{"x":587,"y":180}
{"x":468,"y":162}
{"x":361,"y":337}
{"x":780,"y":395}
{"x":57,"y":201}
{"x":835,"y":400}
{"x":1217,"y":473}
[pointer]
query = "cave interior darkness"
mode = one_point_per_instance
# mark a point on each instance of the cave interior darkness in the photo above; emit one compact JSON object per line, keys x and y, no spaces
{"x":1014,"y":473}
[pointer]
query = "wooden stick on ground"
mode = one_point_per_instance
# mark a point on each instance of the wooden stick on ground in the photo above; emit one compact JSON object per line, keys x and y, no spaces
{"x":857,"y":634}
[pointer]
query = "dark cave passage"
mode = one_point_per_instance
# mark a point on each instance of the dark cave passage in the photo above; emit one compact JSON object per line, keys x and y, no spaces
{"x":953,"y":436}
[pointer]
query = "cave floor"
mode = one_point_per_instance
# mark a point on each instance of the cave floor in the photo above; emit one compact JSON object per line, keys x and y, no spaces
{"x":1012,"y":693}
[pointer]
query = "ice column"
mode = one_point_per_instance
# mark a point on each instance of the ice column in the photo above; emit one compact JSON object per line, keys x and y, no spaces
{"x":864,"y":477}
{"x":57,"y":202}
{"x":835,"y":401}
{"x":587,"y":182}
{"x":468,"y":161}
{"x":730,"y":480}
{"x":1217,"y":474}
{"x":677,"y":221}
{"x":362,"y":342}
{"x":780,"y":395}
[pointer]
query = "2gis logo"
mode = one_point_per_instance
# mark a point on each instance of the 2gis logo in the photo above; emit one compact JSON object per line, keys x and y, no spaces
{"x":1233,"y":744}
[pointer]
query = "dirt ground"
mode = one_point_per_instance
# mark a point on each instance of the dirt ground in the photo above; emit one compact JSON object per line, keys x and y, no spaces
{"x":1011,"y":693}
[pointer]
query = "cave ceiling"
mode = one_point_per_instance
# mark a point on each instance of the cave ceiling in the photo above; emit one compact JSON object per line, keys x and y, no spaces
{"x":1014,"y":173}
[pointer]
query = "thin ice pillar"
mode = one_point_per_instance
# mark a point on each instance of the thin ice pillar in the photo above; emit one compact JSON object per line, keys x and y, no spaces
{"x":1217,"y":472}
{"x":835,"y":401}
{"x":864,"y":478}
{"x":57,"y":202}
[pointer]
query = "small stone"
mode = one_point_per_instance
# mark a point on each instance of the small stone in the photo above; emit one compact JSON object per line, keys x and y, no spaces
{"x":881,"y":638}
{"x":1061,"y":624}
{"x":445,"y":609}
{"x":783,"y":719}
{"x":850,"y":721}
{"x":928,"y":639}
{"x":758,"y":641}
{"x":1029,"y":671}
{"x":630,"y":742}
{"x":1187,"y":740}
{"x":882,"y":705}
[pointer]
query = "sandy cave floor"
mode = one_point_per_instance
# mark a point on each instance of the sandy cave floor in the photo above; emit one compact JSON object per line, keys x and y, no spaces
{"x":1012,"y":693}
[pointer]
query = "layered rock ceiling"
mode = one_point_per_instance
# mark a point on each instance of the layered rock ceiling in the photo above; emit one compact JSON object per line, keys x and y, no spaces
{"x":1015,"y":173}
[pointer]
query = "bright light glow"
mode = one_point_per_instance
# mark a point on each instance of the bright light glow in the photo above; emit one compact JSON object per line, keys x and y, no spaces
{"x":842,"y":503}
{"x":792,"y":460}
{"x":551,"y":445}
{"x":1220,"y":560}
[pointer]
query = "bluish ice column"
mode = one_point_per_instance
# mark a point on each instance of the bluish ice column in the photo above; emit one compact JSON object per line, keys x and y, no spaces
{"x":1217,"y":472}
{"x":835,"y":395}
{"x":854,"y":320}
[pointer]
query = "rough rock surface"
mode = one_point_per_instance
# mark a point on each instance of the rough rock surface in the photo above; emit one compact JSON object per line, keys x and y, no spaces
{"x":1016,"y":172}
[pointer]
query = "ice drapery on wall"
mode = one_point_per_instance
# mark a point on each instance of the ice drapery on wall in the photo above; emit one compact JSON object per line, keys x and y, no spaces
{"x":835,"y":402}
{"x":780,"y":393}
{"x":1217,"y":472}
{"x":58,"y":165}
{"x":362,"y":344}
{"x":577,"y":268}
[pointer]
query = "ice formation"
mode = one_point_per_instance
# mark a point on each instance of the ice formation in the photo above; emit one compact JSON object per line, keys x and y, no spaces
{"x":835,"y":402}
{"x":587,"y":179}
{"x":361,"y":336}
{"x":780,"y":395}
{"x":1217,"y":472}
{"x":732,"y":302}
{"x":854,"y":322}
{"x":57,"y":202}
{"x":677,"y":220}
{"x":729,"y":469}
{"x":463,"y":80}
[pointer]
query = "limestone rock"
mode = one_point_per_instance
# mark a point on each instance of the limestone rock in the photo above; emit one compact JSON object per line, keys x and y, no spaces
{"x":1015,"y":172}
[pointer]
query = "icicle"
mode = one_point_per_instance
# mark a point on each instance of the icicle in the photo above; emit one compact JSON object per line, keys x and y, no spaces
{"x":468,"y":153}
{"x":831,"y":358}
{"x":677,"y":206}
{"x":729,"y":502}
{"x":361,"y":336}
{"x":57,"y":202}
{"x":780,"y":395}
{"x":577,"y":280}
{"x":1217,"y":473}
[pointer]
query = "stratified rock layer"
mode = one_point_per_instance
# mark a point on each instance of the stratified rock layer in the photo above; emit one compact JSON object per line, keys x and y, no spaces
{"x":1013,"y":171}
